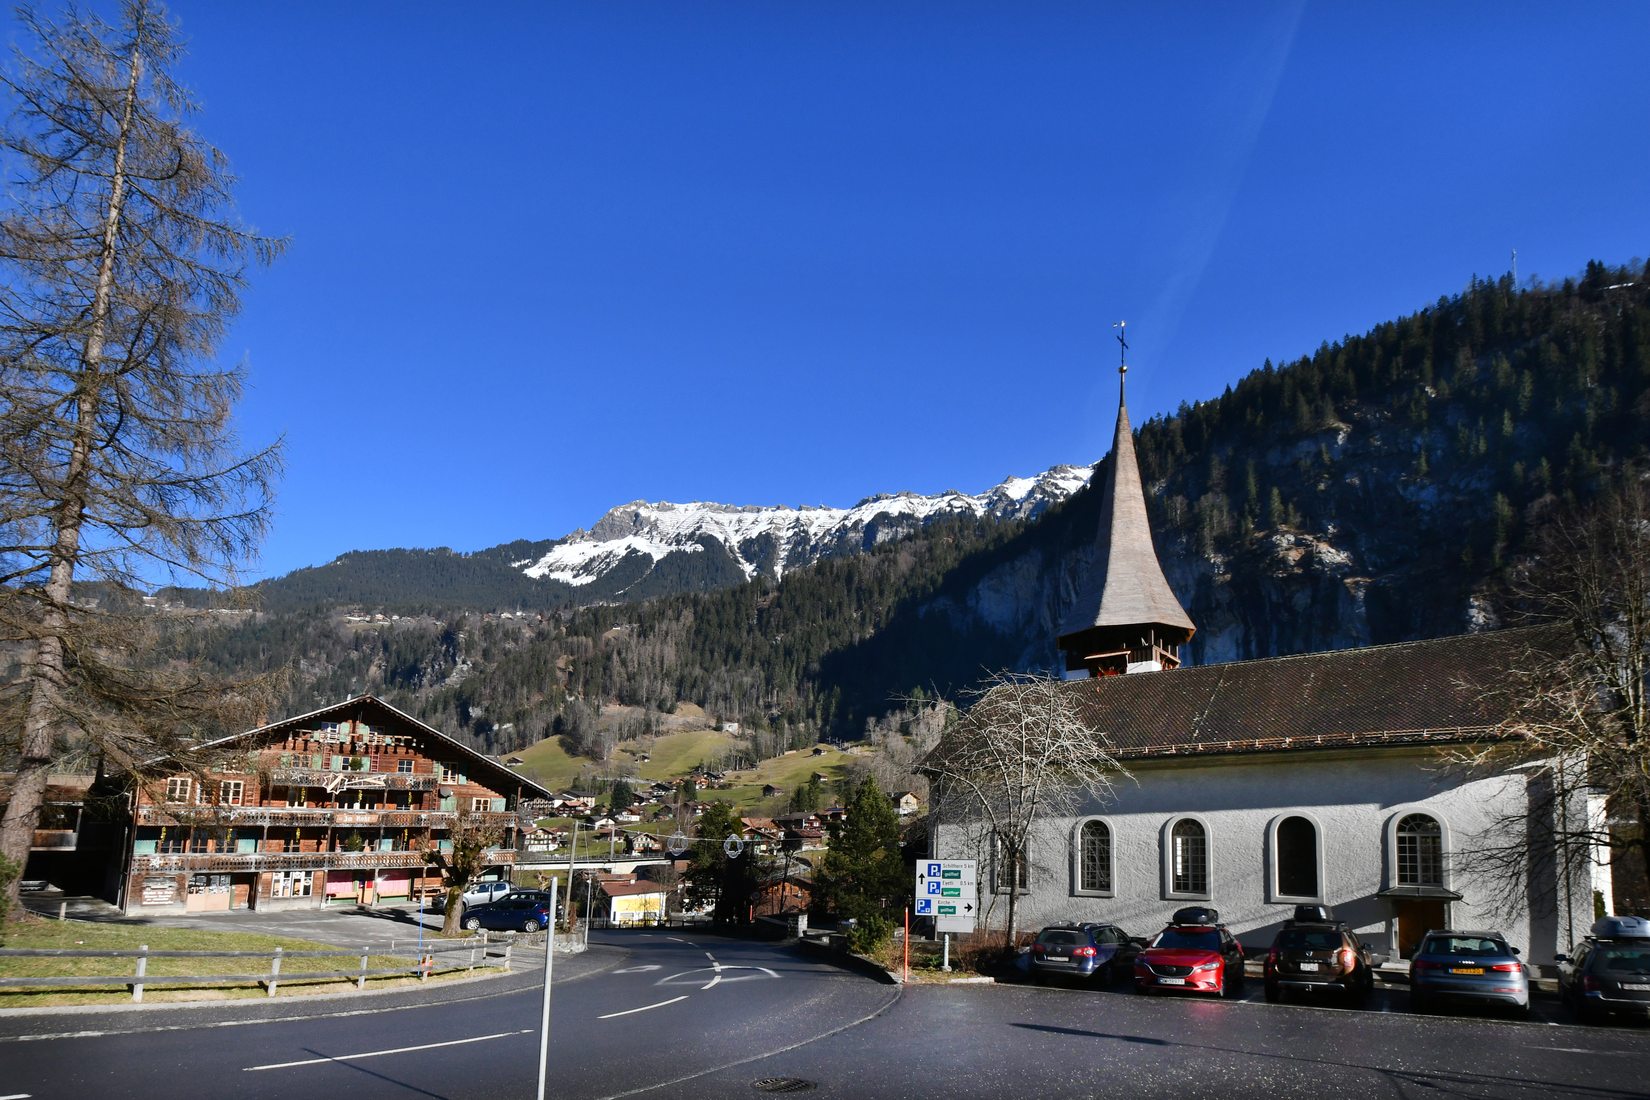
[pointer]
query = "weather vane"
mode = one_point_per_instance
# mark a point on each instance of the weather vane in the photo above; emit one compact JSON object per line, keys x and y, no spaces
{"x":1122,"y":328}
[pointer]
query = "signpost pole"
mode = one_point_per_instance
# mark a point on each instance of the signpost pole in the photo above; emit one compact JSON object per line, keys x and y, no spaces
{"x":945,"y":953}
{"x":544,"y":1015}
{"x":907,"y":978}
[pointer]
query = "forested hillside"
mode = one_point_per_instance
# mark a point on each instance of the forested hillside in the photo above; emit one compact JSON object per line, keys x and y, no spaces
{"x":1369,"y":492}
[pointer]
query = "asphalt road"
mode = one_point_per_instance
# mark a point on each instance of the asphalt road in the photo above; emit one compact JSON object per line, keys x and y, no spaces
{"x":681,"y":1015}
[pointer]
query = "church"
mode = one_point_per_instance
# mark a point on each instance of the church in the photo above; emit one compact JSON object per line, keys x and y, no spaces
{"x":1257,"y":786}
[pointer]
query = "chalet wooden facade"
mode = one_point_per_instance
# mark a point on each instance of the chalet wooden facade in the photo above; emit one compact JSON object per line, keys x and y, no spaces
{"x":337,"y":806}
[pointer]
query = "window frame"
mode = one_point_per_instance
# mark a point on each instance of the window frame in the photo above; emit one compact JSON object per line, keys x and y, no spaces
{"x":231,"y":792}
{"x":1023,"y":886}
{"x":1274,"y":861}
{"x":1399,"y":815}
{"x":1166,"y":849}
{"x":1109,"y":890}
{"x":177,"y":794}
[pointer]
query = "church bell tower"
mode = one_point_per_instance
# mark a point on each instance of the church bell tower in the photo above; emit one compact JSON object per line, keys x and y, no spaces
{"x":1127,"y":618}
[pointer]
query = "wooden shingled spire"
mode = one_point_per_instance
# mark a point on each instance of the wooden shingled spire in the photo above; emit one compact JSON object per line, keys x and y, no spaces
{"x":1127,"y":617}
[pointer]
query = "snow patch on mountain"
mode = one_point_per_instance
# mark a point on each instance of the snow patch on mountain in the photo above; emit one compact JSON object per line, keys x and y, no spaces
{"x":773,"y":540}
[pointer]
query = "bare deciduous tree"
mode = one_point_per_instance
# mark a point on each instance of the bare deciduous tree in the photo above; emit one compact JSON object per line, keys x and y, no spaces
{"x":461,"y":865}
{"x":120,"y":265}
{"x":1019,"y":754}
{"x":1577,"y":726}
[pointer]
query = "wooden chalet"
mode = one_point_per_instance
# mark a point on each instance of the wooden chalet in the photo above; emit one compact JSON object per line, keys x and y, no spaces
{"x":338,"y":806}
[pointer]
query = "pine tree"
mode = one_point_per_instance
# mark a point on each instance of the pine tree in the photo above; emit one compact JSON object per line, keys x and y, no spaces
{"x":864,"y":872}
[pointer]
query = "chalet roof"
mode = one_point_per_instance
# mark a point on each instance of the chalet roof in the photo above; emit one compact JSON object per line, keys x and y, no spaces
{"x":1406,"y":693}
{"x":1125,"y":586}
{"x":364,"y":707}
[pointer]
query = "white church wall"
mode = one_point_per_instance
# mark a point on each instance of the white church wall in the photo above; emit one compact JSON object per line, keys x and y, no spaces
{"x":1354,"y":799}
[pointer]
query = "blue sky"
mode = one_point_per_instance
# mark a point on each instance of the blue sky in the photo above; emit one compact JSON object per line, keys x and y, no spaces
{"x":547,"y":258}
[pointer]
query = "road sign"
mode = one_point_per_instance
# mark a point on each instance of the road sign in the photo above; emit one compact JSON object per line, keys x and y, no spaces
{"x":948,"y":890}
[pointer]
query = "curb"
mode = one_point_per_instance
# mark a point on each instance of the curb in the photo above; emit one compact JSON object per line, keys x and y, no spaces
{"x":847,"y":960}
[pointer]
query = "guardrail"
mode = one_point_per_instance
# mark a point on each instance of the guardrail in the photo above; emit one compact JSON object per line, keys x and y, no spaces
{"x":478,"y":956}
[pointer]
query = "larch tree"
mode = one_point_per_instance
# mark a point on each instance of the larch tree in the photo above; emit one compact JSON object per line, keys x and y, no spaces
{"x":1021,"y":753}
{"x":462,"y":864}
{"x":121,"y":263}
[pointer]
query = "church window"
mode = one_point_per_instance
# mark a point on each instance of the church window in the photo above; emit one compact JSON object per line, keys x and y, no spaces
{"x":1186,"y":859}
{"x":1092,"y":854}
{"x":1420,"y":851}
{"x":1295,"y":858}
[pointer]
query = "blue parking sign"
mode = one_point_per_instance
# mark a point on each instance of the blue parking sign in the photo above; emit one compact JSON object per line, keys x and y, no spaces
{"x":933,"y":887}
{"x":925,"y":907}
{"x":933,"y":870}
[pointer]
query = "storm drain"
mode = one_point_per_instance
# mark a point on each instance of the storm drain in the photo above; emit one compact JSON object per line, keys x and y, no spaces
{"x":782,"y":1084}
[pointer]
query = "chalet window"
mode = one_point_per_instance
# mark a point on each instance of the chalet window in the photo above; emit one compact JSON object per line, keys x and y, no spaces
{"x":480,"y":805}
{"x":449,"y":774}
{"x":405,"y":767}
{"x":1093,"y":858}
{"x":1295,"y":862}
{"x":177,"y":790}
{"x":1186,"y":859}
{"x":1420,"y":851}
{"x":292,"y":884}
{"x":229,"y":792}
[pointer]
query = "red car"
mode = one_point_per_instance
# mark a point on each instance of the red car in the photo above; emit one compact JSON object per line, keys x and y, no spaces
{"x":1194,"y":954}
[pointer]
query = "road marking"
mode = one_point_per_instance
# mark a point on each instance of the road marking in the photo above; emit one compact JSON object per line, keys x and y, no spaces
{"x":381,"y":1053}
{"x":712,"y":983}
{"x":644,"y":1008}
{"x":16,"y":1096}
{"x":637,"y":969}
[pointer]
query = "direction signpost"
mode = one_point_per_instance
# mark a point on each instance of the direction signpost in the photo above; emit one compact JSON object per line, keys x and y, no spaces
{"x":949,"y":891}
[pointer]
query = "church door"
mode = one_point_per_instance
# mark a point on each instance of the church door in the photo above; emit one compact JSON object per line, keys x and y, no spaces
{"x":1417,"y":917}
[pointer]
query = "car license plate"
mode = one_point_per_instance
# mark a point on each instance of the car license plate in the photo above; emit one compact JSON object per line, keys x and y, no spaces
{"x":1466,"y":970}
{"x":1309,"y":966}
{"x":1171,"y":981}
{"x":1636,"y":987}
{"x":1056,"y":958}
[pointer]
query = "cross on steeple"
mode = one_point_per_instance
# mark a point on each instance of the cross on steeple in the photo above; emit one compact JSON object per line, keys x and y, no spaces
{"x":1122,"y":328}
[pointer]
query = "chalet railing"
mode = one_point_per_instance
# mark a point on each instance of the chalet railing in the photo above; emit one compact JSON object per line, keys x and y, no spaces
{"x":335,"y":781}
{"x":317,"y":816}
{"x":279,"y":861}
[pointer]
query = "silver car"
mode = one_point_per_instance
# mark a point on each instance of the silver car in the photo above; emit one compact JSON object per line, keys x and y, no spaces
{"x":1468,"y":967}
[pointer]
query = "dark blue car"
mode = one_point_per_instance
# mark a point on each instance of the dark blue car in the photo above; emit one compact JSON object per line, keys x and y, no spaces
{"x":513,"y":913}
{"x":1100,"y":952}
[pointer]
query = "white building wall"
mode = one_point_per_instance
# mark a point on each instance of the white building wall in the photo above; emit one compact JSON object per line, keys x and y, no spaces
{"x":1355,"y":798}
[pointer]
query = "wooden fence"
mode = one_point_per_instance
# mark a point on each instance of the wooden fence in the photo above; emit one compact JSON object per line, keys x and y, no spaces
{"x":479,"y":953}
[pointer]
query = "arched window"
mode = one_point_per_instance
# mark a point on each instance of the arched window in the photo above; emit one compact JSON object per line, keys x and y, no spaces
{"x":1000,"y":862}
{"x":1420,"y":851}
{"x":1092,"y":852}
{"x":1189,"y":858}
{"x":1295,"y":855}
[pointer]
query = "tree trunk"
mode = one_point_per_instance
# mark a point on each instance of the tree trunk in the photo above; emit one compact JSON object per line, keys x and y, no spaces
{"x":453,"y":922}
{"x":46,"y":675}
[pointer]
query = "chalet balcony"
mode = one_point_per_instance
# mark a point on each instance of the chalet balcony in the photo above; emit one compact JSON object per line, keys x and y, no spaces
{"x":284,"y":861}
{"x":349,"y":781}
{"x":313,"y":817}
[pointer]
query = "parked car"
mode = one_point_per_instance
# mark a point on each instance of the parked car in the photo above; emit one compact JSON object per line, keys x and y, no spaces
{"x":1457,"y":966}
{"x":1314,"y":953}
{"x":512,"y":914}
{"x":482,"y":893}
{"x":1089,"y":951}
{"x":1194,"y":954}
{"x":1610,"y":971}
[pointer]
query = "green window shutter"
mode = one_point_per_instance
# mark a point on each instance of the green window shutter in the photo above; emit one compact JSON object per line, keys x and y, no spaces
{"x":143,"y":847}
{"x":449,"y":804}
{"x":246,"y":844}
{"x":498,"y":805}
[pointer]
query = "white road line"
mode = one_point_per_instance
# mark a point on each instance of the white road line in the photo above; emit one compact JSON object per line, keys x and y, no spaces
{"x":16,"y":1096}
{"x":381,"y":1053}
{"x":712,"y":983}
{"x":709,"y":956}
{"x":644,"y":1008}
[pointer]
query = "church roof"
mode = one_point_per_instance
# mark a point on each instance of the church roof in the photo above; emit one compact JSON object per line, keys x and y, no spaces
{"x":1126,"y":586}
{"x":1411,"y":692}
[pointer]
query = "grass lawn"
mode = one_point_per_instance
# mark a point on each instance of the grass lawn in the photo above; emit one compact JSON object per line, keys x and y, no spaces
{"x":87,"y":936}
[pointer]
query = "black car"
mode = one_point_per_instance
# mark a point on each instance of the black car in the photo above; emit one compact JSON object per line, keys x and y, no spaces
{"x":514,"y":913}
{"x":1314,"y":953}
{"x":1102,"y":952}
{"x":1610,"y":970}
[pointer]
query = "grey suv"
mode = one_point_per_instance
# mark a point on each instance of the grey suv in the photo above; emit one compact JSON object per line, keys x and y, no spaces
{"x":1610,"y":970}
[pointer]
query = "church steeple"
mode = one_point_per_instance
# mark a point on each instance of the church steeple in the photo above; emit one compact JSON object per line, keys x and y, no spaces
{"x":1127,"y":619}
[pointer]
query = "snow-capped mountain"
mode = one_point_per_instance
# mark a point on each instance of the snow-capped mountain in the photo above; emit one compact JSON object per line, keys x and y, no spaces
{"x":704,"y":545}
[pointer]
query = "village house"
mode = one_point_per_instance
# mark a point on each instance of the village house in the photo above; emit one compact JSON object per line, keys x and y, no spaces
{"x":906,"y":803}
{"x":1258,"y":785}
{"x":336,"y":806}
